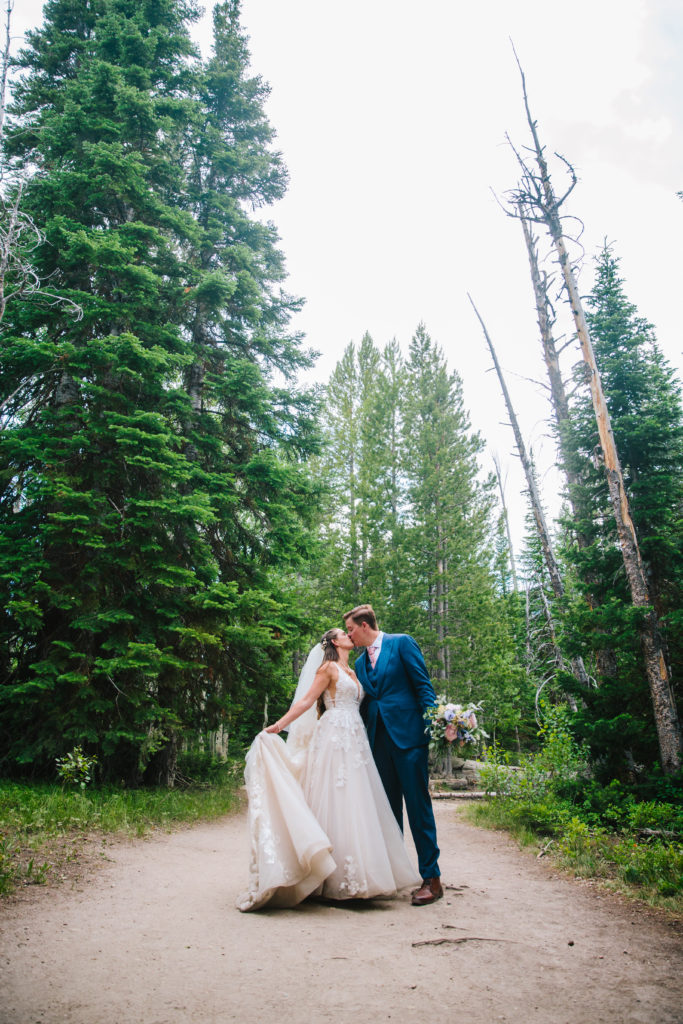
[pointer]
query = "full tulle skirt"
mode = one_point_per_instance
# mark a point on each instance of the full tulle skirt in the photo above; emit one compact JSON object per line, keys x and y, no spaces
{"x":290,"y":854}
{"x":345,"y":793}
{"x":323,"y":825}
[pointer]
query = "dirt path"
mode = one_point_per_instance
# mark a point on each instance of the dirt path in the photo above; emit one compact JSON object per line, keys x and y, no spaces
{"x":153,"y":939}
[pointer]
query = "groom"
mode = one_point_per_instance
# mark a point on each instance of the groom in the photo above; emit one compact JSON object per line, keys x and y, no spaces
{"x":398,"y":690}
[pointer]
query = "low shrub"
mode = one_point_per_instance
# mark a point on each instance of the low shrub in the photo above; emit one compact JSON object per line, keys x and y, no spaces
{"x":606,"y":831}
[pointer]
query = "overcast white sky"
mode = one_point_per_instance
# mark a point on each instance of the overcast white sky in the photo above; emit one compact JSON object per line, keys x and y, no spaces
{"x":392,"y":116}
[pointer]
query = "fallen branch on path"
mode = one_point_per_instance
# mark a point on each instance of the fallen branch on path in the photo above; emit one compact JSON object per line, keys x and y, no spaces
{"x":463,"y":938}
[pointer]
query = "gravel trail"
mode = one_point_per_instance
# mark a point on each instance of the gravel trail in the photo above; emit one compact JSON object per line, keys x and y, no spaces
{"x":153,"y":938}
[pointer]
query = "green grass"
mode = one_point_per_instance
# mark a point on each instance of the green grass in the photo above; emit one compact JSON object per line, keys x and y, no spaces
{"x":650,"y":870}
{"x":40,"y":824}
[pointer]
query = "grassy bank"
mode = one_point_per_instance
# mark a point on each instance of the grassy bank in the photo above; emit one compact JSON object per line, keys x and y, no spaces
{"x":631,"y":862}
{"x":41,"y":824}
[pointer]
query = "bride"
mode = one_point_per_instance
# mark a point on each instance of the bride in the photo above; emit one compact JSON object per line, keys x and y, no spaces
{"x":319,"y":819}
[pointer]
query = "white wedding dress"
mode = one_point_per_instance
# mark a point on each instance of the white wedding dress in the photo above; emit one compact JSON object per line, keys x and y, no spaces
{"x":319,"y":819}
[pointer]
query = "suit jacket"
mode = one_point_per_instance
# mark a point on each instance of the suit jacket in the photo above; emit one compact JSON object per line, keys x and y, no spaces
{"x":399,"y":689}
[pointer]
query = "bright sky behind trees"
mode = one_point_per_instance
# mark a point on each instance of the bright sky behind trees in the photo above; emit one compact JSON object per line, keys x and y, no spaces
{"x":392,"y":118}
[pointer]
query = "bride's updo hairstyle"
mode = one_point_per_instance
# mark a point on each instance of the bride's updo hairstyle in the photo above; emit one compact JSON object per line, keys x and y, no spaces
{"x":330,"y":653}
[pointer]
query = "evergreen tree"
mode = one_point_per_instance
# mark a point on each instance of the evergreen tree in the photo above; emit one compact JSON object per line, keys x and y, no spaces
{"x":156,"y":475}
{"x":456,"y":610}
{"x":341,"y":568}
{"x":362,"y":470}
{"x":644,"y":401}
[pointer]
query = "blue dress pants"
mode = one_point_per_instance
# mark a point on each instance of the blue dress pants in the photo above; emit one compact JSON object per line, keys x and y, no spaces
{"x":405,"y":776}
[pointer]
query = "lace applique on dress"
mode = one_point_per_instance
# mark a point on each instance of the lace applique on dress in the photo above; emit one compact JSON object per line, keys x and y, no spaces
{"x":353,"y":884}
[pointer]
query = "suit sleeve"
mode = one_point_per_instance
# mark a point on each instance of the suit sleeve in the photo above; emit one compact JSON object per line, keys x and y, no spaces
{"x":414,"y":664}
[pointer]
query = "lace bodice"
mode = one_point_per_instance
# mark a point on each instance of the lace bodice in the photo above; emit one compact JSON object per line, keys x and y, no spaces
{"x":348,"y":693}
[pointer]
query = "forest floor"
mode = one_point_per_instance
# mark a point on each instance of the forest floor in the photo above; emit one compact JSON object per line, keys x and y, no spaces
{"x":152,"y":937}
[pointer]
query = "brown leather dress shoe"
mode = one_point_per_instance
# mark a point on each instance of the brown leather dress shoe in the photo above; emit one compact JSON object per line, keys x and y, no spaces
{"x":430,"y":891}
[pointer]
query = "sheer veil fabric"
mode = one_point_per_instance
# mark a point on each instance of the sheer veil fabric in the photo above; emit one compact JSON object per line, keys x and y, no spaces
{"x":319,"y":819}
{"x":300,"y":731}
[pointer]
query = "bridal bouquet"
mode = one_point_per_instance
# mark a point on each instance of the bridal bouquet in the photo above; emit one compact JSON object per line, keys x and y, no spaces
{"x":453,"y":723}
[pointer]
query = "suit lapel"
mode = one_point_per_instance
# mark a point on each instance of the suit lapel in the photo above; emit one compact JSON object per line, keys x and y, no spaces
{"x":361,"y":666}
{"x":382,"y":662}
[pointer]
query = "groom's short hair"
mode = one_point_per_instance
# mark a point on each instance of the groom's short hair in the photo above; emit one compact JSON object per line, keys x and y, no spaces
{"x":363,"y":613}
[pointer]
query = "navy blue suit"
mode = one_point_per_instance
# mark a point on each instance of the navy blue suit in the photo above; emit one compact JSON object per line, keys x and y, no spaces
{"x":397,"y":692}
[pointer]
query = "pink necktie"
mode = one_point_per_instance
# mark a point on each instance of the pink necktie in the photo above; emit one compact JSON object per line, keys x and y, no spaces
{"x":372,"y":653}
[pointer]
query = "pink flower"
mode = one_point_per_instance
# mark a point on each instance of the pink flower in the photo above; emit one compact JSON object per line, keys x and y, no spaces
{"x":472,"y":721}
{"x":450,"y":733}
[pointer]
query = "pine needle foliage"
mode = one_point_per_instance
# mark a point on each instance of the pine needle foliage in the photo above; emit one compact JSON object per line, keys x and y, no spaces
{"x":644,"y":400}
{"x":153,"y":463}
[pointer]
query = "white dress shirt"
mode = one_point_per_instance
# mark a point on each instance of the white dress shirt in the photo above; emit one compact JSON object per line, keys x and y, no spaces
{"x":376,"y":647}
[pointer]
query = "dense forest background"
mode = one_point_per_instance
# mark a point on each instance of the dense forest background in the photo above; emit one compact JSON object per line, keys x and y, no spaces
{"x":180,"y":518}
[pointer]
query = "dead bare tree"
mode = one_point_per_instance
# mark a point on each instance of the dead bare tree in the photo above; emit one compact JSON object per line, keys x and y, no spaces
{"x":506,"y":519}
{"x":559,"y":398}
{"x":546,"y":319}
{"x":4,"y":64}
{"x":536,"y":195}
{"x":543,"y":658}
{"x":556,"y":582}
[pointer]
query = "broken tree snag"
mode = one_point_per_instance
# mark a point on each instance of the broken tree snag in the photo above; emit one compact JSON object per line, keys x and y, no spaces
{"x":537,"y":197}
{"x":536,"y":506}
{"x":556,"y":582}
{"x":545,"y":315}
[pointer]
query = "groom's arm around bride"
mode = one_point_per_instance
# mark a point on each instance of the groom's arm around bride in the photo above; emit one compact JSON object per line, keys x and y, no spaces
{"x":398,"y":690}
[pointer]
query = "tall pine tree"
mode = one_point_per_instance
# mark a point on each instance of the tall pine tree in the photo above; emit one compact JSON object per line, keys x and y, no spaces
{"x":155,"y":475}
{"x":644,"y":400}
{"x":455,"y":607}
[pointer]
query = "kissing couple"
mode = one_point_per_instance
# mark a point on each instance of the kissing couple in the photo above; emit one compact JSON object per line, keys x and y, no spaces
{"x":326,"y":807}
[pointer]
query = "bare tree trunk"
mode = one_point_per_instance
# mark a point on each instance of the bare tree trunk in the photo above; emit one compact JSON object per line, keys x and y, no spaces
{"x":506,"y":518}
{"x":578,"y":667}
{"x":536,"y":506}
{"x":557,"y":653}
{"x":551,"y":356}
{"x":539,"y":195}
{"x":527,"y":623}
{"x":4,"y":67}
{"x":560,"y":402}
{"x":517,"y":741}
